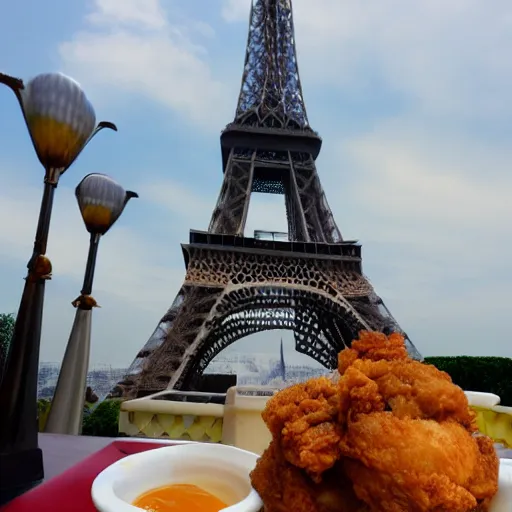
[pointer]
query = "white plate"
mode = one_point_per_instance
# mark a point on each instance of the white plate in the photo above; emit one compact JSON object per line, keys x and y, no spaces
{"x":502,"y":502}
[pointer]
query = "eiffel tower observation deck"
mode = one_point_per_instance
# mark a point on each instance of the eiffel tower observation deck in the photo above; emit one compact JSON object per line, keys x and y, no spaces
{"x":311,"y":282}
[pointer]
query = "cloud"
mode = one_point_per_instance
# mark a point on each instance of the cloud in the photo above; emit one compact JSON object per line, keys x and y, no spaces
{"x":139,"y":13}
{"x":177,"y":199}
{"x":123,"y":251}
{"x":441,"y":56}
{"x":236,"y":10}
{"x":266,"y":211}
{"x":424,"y":186}
{"x":136,"y":279}
{"x":419,"y":189}
{"x":405,"y":179}
{"x":131,"y":46}
{"x":433,"y":229}
{"x":137,"y":274}
{"x":436,"y":234}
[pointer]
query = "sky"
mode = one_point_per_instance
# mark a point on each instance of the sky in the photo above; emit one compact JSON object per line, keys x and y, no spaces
{"x":412,"y":100}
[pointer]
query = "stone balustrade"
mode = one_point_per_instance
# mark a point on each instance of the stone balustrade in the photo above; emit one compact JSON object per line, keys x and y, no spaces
{"x":182,"y":416}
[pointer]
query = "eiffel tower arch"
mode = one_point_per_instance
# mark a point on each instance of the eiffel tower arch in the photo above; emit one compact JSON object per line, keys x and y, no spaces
{"x":311,"y":283}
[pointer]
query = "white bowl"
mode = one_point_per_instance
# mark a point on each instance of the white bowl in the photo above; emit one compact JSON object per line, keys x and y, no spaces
{"x":480,"y":399}
{"x":219,"y":469}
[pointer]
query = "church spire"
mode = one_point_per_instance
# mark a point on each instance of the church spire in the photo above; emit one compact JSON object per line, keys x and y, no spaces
{"x":282,"y":363}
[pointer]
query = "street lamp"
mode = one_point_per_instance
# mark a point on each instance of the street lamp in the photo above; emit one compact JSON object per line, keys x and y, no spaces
{"x":101,"y":201}
{"x":60,"y":121}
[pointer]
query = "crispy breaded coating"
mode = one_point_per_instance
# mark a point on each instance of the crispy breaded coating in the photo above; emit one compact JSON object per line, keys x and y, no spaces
{"x":390,"y":435}
{"x":302,"y":418}
{"x":285,"y":488}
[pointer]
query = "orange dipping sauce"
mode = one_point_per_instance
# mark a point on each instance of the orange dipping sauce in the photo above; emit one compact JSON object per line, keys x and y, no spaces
{"x":179,"y":498}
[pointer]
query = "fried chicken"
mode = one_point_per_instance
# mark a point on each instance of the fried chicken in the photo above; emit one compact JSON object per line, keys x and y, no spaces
{"x":391,"y":435}
{"x":407,"y":440}
{"x":410,"y":389}
{"x":414,"y":465}
{"x":283,"y":487}
{"x":302,"y":418}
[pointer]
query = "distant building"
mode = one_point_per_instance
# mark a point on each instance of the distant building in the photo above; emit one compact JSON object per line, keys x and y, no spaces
{"x":100,"y":379}
{"x":250,"y":369}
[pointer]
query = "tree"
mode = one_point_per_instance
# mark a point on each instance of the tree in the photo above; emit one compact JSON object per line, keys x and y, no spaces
{"x":103,"y":421}
{"x":6,"y":330}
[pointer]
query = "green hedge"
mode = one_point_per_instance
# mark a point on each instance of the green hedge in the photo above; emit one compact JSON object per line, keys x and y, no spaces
{"x":7,"y":321}
{"x":97,"y":421}
{"x":102,"y":420}
{"x":487,"y":374}
{"x":43,"y":409}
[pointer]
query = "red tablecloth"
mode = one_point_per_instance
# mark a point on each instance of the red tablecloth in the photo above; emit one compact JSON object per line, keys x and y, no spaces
{"x":71,"y":491}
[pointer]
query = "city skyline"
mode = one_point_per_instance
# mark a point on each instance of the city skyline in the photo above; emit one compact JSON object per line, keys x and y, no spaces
{"x":415,"y":157}
{"x":250,"y":369}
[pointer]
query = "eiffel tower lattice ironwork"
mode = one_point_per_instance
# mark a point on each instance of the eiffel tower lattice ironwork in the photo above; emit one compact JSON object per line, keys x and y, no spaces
{"x":234,"y":285}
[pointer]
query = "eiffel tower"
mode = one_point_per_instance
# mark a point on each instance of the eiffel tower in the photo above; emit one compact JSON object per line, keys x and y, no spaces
{"x":312,"y":283}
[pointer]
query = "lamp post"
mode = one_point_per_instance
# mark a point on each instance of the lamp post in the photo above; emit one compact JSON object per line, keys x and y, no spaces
{"x":101,"y":201}
{"x":60,"y":121}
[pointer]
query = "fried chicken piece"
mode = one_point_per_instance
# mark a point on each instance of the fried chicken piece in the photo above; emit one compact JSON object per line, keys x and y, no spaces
{"x":484,"y":483}
{"x":407,"y":442}
{"x":409,"y":388}
{"x":389,"y":435}
{"x":315,"y":399}
{"x":373,"y":346}
{"x":285,"y":488}
{"x":282,"y":486}
{"x":303,"y":420}
{"x":416,"y":465}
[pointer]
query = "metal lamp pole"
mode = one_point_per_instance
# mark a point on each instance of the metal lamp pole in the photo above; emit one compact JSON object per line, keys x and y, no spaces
{"x":101,"y":201}
{"x":60,"y":121}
